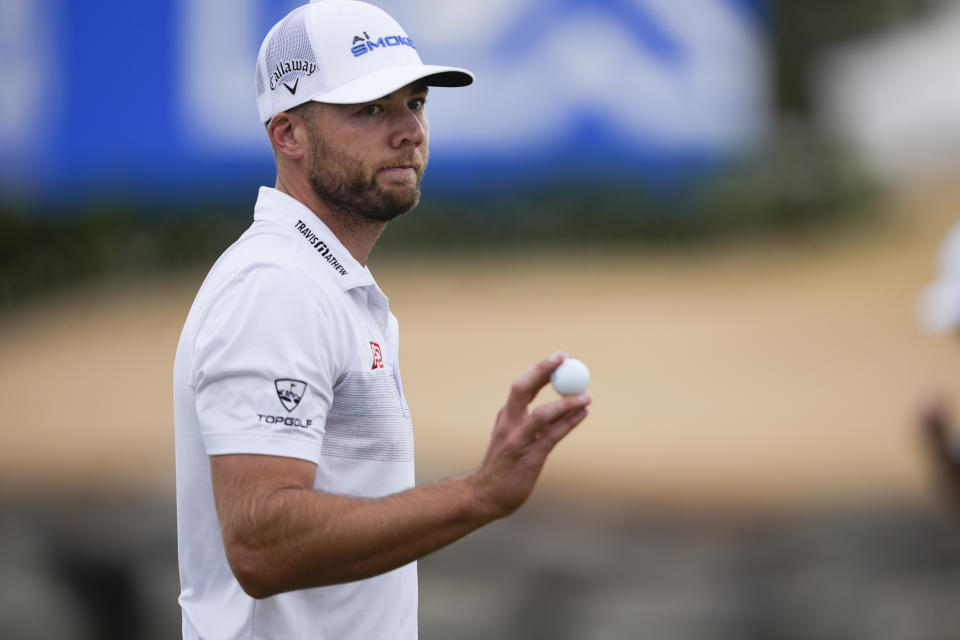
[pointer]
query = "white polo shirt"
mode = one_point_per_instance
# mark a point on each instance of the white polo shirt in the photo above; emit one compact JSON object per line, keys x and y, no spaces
{"x":290,"y":349}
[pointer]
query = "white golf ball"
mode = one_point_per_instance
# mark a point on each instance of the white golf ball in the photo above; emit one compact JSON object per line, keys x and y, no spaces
{"x":570,"y":378}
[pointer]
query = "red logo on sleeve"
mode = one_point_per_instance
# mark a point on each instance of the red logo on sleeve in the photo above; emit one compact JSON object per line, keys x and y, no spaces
{"x":377,"y":356}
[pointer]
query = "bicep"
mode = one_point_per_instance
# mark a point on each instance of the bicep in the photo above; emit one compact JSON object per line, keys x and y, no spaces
{"x":266,"y":358}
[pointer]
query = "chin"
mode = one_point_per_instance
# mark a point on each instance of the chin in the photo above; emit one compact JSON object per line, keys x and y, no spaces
{"x":398,"y":207}
{"x":405,"y":193}
{"x":391,"y":203}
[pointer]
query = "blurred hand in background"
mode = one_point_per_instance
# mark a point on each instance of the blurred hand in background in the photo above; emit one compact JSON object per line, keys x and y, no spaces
{"x":936,"y":426}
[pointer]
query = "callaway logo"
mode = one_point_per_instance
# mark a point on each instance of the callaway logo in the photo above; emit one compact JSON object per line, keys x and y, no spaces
{"x":290,"y":392}
{"x":293,"y":89}
{"x":366,"y":43}
{"x":305,"y":67}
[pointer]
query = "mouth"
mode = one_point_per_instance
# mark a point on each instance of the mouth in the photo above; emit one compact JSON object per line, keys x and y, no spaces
{"x":399,"y":170}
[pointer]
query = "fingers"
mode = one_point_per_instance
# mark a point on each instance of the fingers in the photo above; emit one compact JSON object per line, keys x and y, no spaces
{"x":554,"y":432}
{"x":554,"y":411}
{"x":524,"y":389}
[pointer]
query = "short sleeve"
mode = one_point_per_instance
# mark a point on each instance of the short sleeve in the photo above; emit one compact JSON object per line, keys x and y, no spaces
{"x":265,"y":362}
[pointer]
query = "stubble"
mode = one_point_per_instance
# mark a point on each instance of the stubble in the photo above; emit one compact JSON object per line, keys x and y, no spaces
{"x":352,"y":190}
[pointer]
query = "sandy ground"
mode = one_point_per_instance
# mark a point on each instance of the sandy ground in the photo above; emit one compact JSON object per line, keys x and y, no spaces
{"x":770,"y":375}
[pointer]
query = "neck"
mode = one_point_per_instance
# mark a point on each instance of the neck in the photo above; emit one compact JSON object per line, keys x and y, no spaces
{"x":358,"y":236}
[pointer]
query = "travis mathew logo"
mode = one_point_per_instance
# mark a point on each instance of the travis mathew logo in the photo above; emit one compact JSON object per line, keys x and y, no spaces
{"x":377,"y":356}
{"x":320,"y":246}
{"x":305,"y":67}
{"x":290,"y":392}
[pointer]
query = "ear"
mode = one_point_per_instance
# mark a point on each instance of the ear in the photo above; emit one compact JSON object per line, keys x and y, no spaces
{"x":282,"y":132}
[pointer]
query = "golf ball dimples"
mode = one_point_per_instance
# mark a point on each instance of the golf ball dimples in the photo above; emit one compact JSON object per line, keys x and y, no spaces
{"x":570,"y":378}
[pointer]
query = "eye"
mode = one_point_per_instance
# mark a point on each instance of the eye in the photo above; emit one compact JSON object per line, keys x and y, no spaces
{"x":417,"y":104}
{"x":370,"y":110}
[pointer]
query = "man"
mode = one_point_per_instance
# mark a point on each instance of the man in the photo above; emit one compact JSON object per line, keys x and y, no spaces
{"x":296,"y":506}
{"x":939,"y":312}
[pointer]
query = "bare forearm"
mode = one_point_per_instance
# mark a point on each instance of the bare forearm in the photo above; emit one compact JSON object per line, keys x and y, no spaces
{"x":307,"y":539}
{"x":281,"y":535}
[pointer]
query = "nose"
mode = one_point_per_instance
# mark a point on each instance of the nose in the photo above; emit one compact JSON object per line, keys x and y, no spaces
{"x":409,"y":128}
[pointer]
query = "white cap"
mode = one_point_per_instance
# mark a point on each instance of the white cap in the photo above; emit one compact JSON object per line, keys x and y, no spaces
{"x":340,"y":52}
{"x":939,"y":307}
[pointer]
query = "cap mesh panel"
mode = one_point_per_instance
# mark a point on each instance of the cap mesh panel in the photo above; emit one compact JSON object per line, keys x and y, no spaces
{"x":290,"y":44}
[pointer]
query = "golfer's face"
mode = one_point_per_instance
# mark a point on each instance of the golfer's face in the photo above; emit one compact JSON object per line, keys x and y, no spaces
{"x":366,"y":160}
{"x":389,"y":137}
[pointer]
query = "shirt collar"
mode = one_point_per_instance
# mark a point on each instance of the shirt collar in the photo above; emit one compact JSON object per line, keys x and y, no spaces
{"x":280,"y":208}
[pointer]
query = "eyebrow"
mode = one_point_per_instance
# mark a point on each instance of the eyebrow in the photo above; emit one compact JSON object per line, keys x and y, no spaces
{"x":415,"y":89}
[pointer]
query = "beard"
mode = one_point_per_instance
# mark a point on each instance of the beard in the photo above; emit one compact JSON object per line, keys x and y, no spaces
{"x":343,"y":183}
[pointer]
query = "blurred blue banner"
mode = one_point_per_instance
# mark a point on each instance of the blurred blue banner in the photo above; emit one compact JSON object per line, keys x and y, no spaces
{"x":155,"y":98}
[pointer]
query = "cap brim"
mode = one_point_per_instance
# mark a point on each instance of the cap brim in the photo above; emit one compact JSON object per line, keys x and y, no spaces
{"x":939,"y":307}
{"x":374,"y":86}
